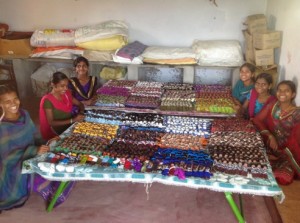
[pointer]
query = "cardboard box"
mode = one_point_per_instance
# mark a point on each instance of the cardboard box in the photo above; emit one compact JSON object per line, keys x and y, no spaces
{"x":271,"y":69}
{"x":256,"y":23}
{"x":16,"y":44}
{"x":264,"y":57}
{"x":267,"y":39}
{"x":248,"y":40}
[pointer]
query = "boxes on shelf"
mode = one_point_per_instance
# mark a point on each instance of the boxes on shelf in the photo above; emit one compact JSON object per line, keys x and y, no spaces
{"x":271,"y":69}
{"x":248,"y":40}
{"x":256,"y":23}
{"x":264,"y":57}
{"x":267,"y":39}
{"x":15,"y":44}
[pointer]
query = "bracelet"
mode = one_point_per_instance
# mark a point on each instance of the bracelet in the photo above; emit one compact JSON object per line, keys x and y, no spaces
{"x":264,"y":131}
{"x":71,"y":121}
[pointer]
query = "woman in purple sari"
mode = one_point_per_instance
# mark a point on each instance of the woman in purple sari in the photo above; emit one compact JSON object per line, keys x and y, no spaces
{"x":83,"y":86}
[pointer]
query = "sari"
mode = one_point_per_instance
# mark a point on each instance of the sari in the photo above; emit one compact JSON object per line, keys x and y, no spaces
{"x":17,"y":143}
{"x":65,"y":105}
{"x":286,"y":130}
{"x":82,"y":92}
{"x":254,"y":105}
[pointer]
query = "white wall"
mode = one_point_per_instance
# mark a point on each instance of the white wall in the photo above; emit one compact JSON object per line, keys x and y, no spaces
{"x":153,"y":22}
{"x":284,"y":15}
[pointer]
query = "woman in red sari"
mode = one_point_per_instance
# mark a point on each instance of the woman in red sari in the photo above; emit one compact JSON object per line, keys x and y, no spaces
{"x":279,"y":124}
{"x":56,"y":108}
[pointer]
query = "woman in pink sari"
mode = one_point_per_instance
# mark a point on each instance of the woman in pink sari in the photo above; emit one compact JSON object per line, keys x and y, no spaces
{"x":279,"y":124}
{"x":56,"y":108}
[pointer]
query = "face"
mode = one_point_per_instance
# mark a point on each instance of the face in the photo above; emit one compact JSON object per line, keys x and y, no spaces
{"x":262,"y":86}
{"x":284,"y":93}
{"x":245,"y":74}
{"x":61,"y":87}
{"x":10,"y":103}
{"x":81,"y":68}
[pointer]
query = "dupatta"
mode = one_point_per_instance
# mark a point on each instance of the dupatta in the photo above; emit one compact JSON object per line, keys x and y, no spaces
{"x":64,"y":105}
{"x":252,"y":102}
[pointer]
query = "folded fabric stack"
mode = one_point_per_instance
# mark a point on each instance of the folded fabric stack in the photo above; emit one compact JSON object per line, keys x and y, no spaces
{"x":169,"y":55}
{"x":54,"y":43}
{"x":130,"y":54}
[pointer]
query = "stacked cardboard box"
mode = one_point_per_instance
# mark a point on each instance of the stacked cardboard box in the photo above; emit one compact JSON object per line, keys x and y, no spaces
{"x":260,"y":44}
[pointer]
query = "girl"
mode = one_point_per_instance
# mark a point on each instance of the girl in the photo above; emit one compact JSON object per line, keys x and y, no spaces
{"x":279,"y":124}
{"x":17,"y":143}
{"x":56,"y":107}
{"x":83,"y":86}
{"x":244,"y":84}
{"x":259,"y":96}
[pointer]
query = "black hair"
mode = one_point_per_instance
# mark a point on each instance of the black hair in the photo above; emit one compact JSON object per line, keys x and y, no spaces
{"x":289,"y":83}
{"x":58,"y":76}
{"x":266,"y":76}
{"x":6,"y":88}
{"x":81,"y":59}
{"x":250,"y":66}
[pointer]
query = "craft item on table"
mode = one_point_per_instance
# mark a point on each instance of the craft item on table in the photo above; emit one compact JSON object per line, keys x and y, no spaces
{"x":181,"y":141}
{"x":178,"y":86}
{"x":110,"y":101}
{"x":143,"y":119}
{"x":113,"y":90}
{"x":232,"y":124}
{"x":214,"y":99}
{"x":142,"y":102}
{"x":148,"y":89}
{"x":121,"y":83}
{"x":187,"y":125}
{"x":133,"y":136}
{"x":104,"y":116}
{"x":238,"y":153}
{"x":176,"y":100}
{"x":96,"y":130}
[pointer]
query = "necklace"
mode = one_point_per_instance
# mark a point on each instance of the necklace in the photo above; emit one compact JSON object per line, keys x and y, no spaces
{"x":285,"y":112}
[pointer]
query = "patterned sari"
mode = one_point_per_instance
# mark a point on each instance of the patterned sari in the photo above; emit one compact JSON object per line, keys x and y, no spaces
{"x":286,"y":129}
{"x":16,"y":145}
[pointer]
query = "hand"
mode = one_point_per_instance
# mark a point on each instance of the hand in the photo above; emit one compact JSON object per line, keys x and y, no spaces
{"x":78,"y":118}
{"x":272,"y":142}
{"x":43,"y":149}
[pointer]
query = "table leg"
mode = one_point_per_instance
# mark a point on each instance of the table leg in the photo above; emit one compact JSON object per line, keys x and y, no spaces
{"x":60,"y":189}
{"x":234,"y":207}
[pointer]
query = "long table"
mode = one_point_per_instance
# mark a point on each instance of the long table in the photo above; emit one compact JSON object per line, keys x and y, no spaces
{"x":220,"y":182}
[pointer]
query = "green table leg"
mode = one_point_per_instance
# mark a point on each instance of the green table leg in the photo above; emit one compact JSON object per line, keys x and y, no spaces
{"x":241,"y":205}
{"x":234,"y":207}
{"x":60,"y":189}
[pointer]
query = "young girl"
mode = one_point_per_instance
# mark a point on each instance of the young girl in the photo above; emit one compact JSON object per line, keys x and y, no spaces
{"x":259,"y":96}
{"x":244,"y":84}
{"x":279,"y":124}
{"x":83,"y":86}
{"x":56,"y":108}
{"x":17,"y":143}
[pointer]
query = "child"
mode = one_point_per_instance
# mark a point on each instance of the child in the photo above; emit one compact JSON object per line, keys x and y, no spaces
{"x":244,"y":84}
{"x":17,"y":143}
{"x":260,"y":96}
{"x":56,"y":108}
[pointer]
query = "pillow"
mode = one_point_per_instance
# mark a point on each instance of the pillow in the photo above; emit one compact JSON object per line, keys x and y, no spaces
{"x":218,"y":52}
{"x":111,"y":43}
{"x":168,"y":53}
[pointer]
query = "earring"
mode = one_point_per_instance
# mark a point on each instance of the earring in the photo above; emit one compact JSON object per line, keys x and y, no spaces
{"x":2,"y":116}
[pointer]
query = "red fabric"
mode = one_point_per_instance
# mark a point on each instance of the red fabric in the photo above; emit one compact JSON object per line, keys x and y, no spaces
{"x":252,"y":101}
{"x":65,"y":105}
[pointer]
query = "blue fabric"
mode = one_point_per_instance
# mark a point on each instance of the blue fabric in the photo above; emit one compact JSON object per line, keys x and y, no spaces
{"x":258,"y":105}
{"x":240,"y":91}
{"x":17,"y":144}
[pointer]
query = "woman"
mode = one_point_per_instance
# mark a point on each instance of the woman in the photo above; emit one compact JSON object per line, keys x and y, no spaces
{"x":83,"y":86}
{"x":56,"y":108}
{"x":244,"y":84}
{"x":17,"y":143}
{"x":260,"y":96}
{"x":279,"y":124}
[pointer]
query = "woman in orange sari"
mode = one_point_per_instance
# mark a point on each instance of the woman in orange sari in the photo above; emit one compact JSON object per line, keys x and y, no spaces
{"x":279,"y":124}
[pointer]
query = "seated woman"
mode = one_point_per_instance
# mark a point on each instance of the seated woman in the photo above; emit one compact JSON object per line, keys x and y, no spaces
{"x":279,"y":124}
{"x":56,"y":108}
{"x":258,"y":97}
{"x":18,"y":136}
{"x":83,"y":86}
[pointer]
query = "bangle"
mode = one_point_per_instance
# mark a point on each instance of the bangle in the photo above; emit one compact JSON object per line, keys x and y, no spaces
{"x":71,"y":121}
{"x":264,"y":131}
